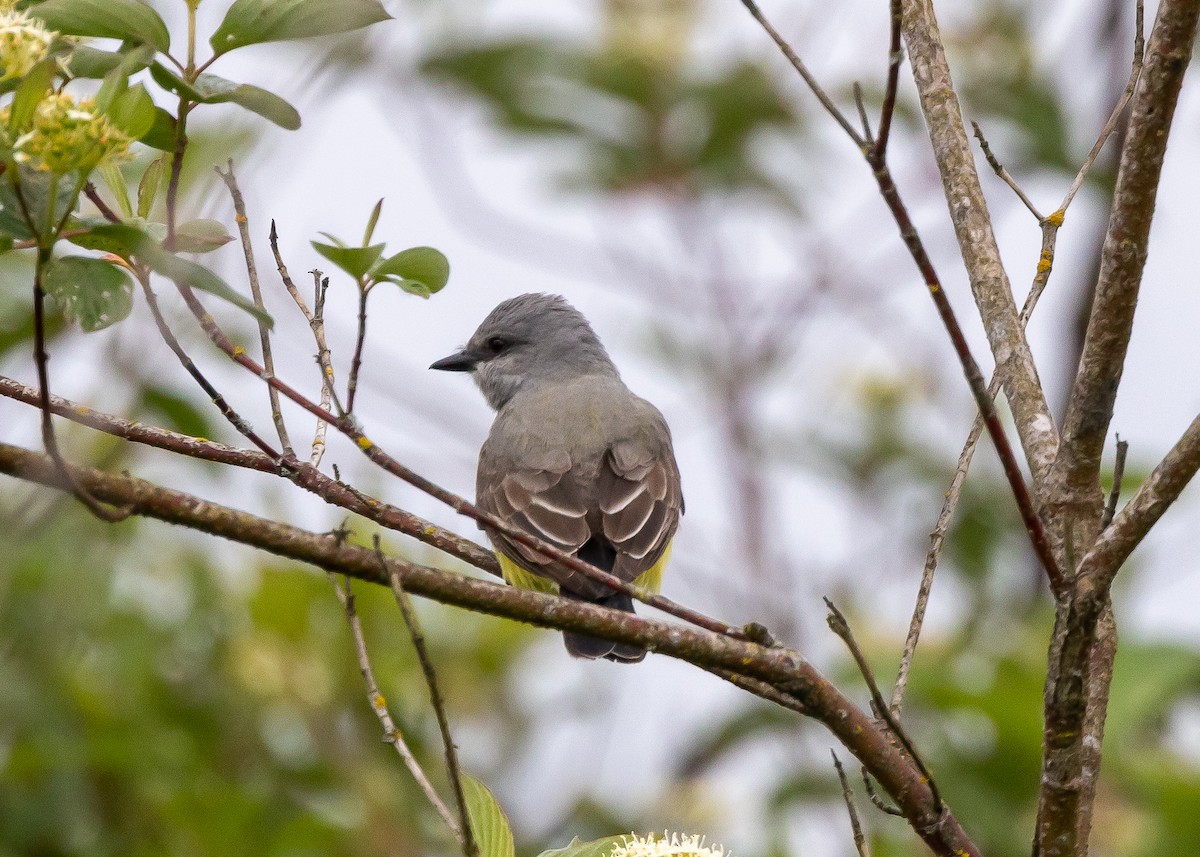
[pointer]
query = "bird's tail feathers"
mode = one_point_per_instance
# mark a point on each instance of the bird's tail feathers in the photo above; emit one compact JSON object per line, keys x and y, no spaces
{"x":584,"y":646}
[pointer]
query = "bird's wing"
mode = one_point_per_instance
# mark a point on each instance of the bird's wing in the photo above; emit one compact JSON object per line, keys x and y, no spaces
{"x":640,"y":501}
{"x":540,"y":497}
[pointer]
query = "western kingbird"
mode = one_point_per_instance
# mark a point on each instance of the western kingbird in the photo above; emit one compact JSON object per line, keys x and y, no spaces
{"x":573,"y":458}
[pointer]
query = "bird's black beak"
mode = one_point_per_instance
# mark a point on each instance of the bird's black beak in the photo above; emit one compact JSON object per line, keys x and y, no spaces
{"x":458,"y":362}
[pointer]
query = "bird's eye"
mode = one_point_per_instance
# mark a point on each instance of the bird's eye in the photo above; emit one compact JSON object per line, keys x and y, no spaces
{"x":497,"y":344}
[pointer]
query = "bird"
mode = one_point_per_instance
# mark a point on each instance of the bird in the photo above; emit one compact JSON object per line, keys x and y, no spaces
{"x":573,"y":457}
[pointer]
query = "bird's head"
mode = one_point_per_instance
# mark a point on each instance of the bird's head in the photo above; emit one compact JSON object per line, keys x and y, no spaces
{"x":529,"y":338}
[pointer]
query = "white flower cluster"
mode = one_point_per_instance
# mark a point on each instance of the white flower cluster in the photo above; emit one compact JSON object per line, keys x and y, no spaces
{"x":68,"y":135}
{"x":672,"y":845}
{"x":24,"y":42}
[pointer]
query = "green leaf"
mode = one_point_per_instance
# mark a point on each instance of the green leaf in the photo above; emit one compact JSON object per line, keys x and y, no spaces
{"x":92,"y":63}
{"x":89,"y":62}
{"x":133,"y":111}
{"x":133,"y":241}
{"x":251,"y":22}
{"x":371,"y":221}
{"x":161,"y":135}
{"x":488,"y":823}
{"x":216,"y":90}
{"x":355,"y":261}
{"x":172,"y":82}
{"x":201,"y":236}
{"x":35,"y":191}
{"x":29,"y":94}
{"x":148,"y":186}
{"x":111,"y":19}
{"x":417,"y":270}
{"x":93,"y":292}
{"x":93,"y":238}
{"x":115,"y":179}
{"x":116,"y":82}
{"x":594,"y":848}
{"x":6,"y":243}
{"x":12,"y":220}
{"x":213,"y":89}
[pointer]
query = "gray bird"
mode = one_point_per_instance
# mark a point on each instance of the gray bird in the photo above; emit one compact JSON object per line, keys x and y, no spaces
{"x":573,"y":458}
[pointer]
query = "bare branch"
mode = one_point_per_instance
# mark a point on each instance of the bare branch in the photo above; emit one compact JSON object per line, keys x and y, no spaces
{"x":453,"y":770}
{"x":1114,"y":495}
{"x":378,"y":704}
{"x":895,"y":57}
{"x":860,"y":841}
{"x":41,"y":360}
{"x":782,"y":668}
{"x":1139,"y":52}
{"x":876,"y":158}
{"x":1085,"y":639}
{"x":862,"y":112}
{"x":937,"y":536}
{"x":316,"y":322}
{"x":976,"y":239}
{"x":1123,"y":258}
{"x":802,"y":69}
{"x":164,"y":330}
{"x":359,"y":340}
{"x":307,"y":477}
{"x":1100,"y":564}
{"x":838,"y":624}
{"x":876,"y":799}
{"x":264,"y":333}
{"x":1005,"y":176}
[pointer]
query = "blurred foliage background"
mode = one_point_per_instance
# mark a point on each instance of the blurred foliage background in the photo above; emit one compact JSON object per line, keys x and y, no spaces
{"x":159,"y":695}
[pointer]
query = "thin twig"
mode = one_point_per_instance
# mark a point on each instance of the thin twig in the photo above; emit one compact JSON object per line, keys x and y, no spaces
{"x":937,"y":536}
{"x":1005,"y":176}
{"x":309,"y":478}
{"x":453,"y":771}
{"x":1139,"y":55}
{"x":761,"y":689}
{"x":316,"y":322}
{"x":107,"y":213}
{"x":1034,"y":527}
{"x":378,"y":704}
{"x":838,"y":624}
{"x":876,"y":157}
{"x":359,"y":340}
{"x":324,"y":362}
{"x":264,"y":333}
{"x":895,"y":56}
{"x":783,"y":668}
{"x":1110,"y":509}
{"x":802,"y":69}
{"x":142,"y":275}
{"x":41,"y":357}
{"x":862,"y":112}
{"x":876,"y":799}
{"x":860,"y":841}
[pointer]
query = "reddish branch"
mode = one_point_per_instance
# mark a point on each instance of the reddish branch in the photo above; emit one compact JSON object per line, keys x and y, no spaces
{"x":783,"y":669}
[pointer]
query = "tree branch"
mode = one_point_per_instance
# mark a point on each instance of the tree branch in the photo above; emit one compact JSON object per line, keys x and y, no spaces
{"x":307,"y":477}
{"x":1084,"y":642}
{"x":264,"y":333}
{"x":1123,"y":257}
{"x":417,"y":635}
{"x":782,"y":668}
{"x":976,"y":240}
{"x":375,"y":699}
